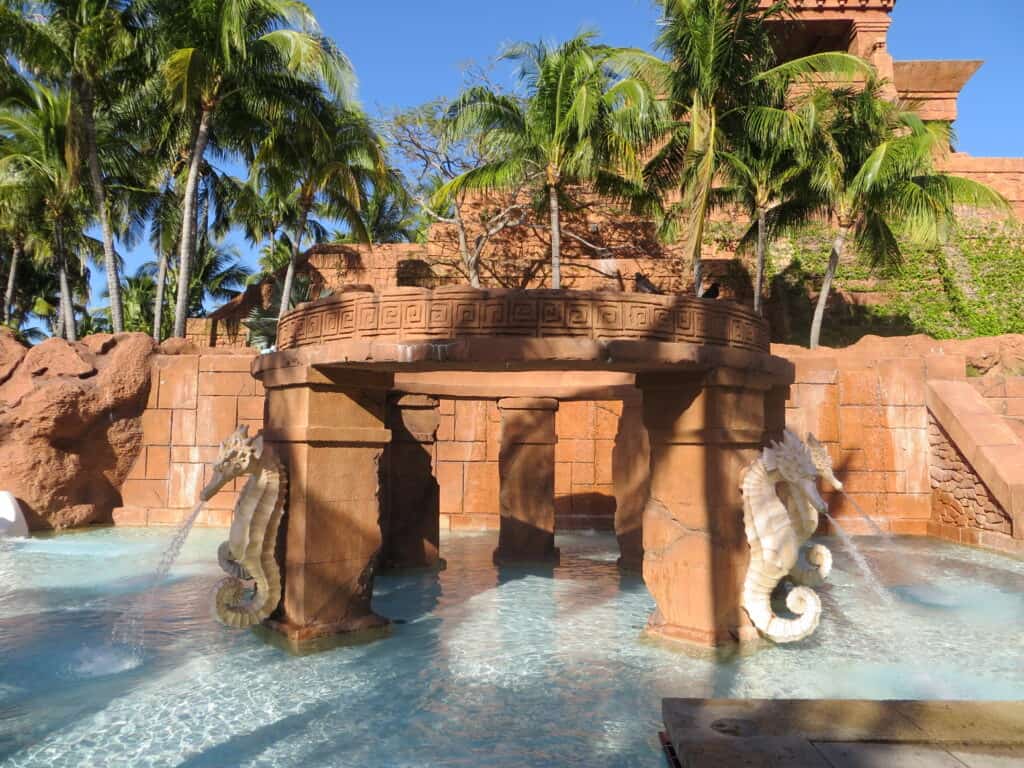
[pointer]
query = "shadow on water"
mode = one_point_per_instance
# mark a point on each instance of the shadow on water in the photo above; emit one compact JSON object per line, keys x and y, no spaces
{"x":246,"y":746}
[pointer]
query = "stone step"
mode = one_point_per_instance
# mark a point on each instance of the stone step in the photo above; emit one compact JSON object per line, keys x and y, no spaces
{"x":707,"y":733}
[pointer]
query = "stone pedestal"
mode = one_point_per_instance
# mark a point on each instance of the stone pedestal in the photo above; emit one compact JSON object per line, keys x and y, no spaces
{"x":329,"y":429}
{"x":704,"y":431}
{"x":411,"y":525}
{"x":527,"y":469}
{"x":631,"y":476}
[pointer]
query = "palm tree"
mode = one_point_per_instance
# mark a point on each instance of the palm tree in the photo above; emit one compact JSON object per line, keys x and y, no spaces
{"x":138,"y":292}
{"x":721,"y":63}
{"x":38,"y":164}
{"x":231,"y":67}
{"x":872,"y":166}
{"x":327,"y":165}
{"x":770,"y":184}
{"x":16,"y":216}
{"x":264,"y":207}
{"x":219,"y":276}
{"x":579,"y":123}
{"x":82,"y":45}
{"x":388,"y":214}
{"x":165,"y":228}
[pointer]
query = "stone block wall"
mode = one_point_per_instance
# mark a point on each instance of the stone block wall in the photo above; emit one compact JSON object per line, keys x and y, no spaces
{"x":1006,"y":396}
{"x":466,"y":464}
{"x":871,"y":414}
{"x":963,"y":507}
{"x":1004,"y":174}
{"x":977,"y":470}
{"x":910,"y":460}
{"x":195,"y":401}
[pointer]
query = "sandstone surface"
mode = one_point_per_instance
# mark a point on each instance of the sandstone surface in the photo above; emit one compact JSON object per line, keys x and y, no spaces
{"x":70,"y":425}
{"x":982,"y":355}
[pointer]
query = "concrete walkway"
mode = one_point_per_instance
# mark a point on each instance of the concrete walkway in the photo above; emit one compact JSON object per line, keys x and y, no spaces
{"x":845,"y":734}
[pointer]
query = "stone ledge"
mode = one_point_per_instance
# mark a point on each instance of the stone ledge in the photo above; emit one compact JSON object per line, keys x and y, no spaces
{"x":709,"y":733}
{"x":335,"y":359}
{"x":986,"y":441}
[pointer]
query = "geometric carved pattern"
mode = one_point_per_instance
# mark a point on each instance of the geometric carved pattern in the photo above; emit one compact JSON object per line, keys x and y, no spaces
{"x":443,"y":314}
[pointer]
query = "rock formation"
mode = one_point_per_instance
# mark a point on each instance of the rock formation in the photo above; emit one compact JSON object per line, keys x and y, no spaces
{"x":70,"y":426}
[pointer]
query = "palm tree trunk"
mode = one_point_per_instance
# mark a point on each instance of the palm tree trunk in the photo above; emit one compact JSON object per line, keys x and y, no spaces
{"x":289,"y":275}
{"x":67,"y":310}
{"x":470,"y":260}
{"x":556,"y":239}
{"x":11,"y":278}
{"x":762,"y":247}
{"x":158,"y":300}
{"x":826,"y":285}
{"x":99,"y":197}
{"x":203,"y":219}
{"x":187,"y":246}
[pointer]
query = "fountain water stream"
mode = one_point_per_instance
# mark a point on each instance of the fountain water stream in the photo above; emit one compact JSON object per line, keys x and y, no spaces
{"x":862,"y":564}
{"x":128,"y":629}
{"x":870,"y":521}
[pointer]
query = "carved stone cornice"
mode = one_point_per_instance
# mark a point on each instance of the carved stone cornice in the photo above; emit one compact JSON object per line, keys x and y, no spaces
{"x":452,"y":313}
{"x":838,"y":5}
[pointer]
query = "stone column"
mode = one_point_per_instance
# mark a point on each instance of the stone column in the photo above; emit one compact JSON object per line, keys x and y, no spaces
{"x":631,"y":477}
{"x":868,"y":40}
{"x":705,"y":429}
{"x":526,"y":465}
{"x":328,"y":427}
{"x":412,"y":523}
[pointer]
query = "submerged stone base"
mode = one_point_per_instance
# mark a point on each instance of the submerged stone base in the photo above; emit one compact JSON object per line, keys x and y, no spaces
{"x":302,"y":634}
{"x":845,"y":734}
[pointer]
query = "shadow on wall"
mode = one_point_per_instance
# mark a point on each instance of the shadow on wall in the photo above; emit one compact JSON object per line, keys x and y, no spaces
{"x":790,"y":309}
{"x":584,"y":511}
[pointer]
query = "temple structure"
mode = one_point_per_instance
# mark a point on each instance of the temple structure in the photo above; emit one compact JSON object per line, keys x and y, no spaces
{"x":861,"y":27}
{"x":614,"y":246}
{"x":403,"y":403}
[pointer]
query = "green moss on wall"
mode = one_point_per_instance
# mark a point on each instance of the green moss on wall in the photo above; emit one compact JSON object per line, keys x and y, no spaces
{"x":972,"y":286}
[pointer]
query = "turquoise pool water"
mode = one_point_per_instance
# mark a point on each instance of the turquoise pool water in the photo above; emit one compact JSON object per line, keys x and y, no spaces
{"x":515,"y":669}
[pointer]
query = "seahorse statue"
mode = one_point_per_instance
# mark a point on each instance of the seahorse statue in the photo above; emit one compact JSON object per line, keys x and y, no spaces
{"x":781,"y":505}
{"x":252,"y":589}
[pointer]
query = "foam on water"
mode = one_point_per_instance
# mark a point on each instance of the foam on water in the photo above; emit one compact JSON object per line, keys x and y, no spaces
{"x":105,"y":660}
{"x":492,"y":667}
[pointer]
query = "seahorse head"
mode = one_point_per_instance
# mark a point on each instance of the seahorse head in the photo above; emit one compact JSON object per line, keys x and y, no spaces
{"x":822,"y":462}
{"x":794,"y":462}
{"x":239,"y":454}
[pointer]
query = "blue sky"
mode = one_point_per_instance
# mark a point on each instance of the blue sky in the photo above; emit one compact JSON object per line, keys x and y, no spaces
{"x":407,"y":52}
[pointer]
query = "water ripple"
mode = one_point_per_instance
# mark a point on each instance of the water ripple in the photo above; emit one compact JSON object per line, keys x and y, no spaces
{"x":503,"y":668}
